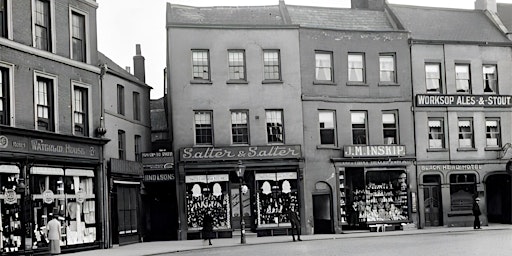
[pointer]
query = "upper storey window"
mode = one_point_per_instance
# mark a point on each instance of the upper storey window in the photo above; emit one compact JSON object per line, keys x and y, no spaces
{"x":323,"y":66}
{"x":490,"y":79}
{"x":236,"y":62}
{"x":78,"y":41}
{"x":4,"y":96}
{"x":271,"y":65}
{"x":462,"y":78}
{"x":3,"y":18}
{"x":387,"y":68}
{"x":200,"y":65}
{"x":42,"y":25}
{"x":433,"y":77}
{"x":356,"y":69}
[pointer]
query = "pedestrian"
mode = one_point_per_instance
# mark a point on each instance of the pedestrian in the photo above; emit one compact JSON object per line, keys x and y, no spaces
{"x":207,"y":230}
{"x":294,"y":220}
{"x":476,"y":213}
{"x":54,"y":235}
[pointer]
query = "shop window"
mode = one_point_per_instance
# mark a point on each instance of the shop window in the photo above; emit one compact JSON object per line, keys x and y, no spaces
{"x":327,"y":127}
{"x":462,"y":191}
{"x":490,"y":79}
{"x":203,"y":127}
{"x":436,"y":133}
{"x":42,"y":25}
{"x":10,"y":208}
{"x":78,"y":37}
{"x":275,"y":126}
{"x":4,"y":96}
{"x":200,"y":65}
{"x":433,"y":77}
{"x":492,"y":132}
{"x":359,"y":130}
{"x":276,"y":195}
{"x":466,"y":133}
{"x":356,"y":67}
{"x":390,"y":128}
{"x":323,"y":66}
{"x":239,"y":127}
{"x":236,"y":65}
{"x":387,"y":68}
{"x":127,"y":200}
{"x":462,"y":78}
{"x":70,"y":195}
{"x":272,"y":65}
{"x":208,"y":194}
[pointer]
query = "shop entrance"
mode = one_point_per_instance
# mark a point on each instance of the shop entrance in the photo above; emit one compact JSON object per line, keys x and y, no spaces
{"x":161,"y":212}
{"x":498,"y":200}
{"x":432,"y":202}
{"x":322,"y":209}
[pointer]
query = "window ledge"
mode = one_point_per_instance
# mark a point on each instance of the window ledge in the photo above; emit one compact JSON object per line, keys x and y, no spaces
{"x":200,"y":82}
{"x":466,"y":149}
{"x":494,"y":148}
{"x":318,"y":82}
{"x":237,"y":82}
{"x":272,"y":81}
{"x":357,"y":84}
{"x":388,"y":84}
{"x":327,"y":147}
{"x":437,"y":150}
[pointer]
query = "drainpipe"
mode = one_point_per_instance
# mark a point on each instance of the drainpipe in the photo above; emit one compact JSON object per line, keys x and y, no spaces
{"x":103,"y":186}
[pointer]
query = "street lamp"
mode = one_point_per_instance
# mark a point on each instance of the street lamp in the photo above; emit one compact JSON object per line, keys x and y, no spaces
{"x":240,"y":171}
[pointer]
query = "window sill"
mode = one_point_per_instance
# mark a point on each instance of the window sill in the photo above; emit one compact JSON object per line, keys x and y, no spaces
{"x":466,"y":149}
{"x":200,"y":82}
{"x":272,"y":81}
{"x":388,"y":84}
{"x":493,"y":148}
{"x":327,"y":147}
{"x":437,"y":150}
{"x":357,"y":84}
{"x":237,"y":82}
{"x":317,"y":82}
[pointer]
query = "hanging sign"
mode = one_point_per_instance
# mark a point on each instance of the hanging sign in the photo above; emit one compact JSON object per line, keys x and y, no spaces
{"x":48,"y":196}
{"x":10,"y":196}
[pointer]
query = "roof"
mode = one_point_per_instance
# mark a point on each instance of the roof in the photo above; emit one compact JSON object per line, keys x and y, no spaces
{"x":225,"y":15}
{"x":112,"y":67}
{"x":339,"y":18}
{"x":158,"y":115}
{"x":505,"y":14}
{"x":450,"y":24}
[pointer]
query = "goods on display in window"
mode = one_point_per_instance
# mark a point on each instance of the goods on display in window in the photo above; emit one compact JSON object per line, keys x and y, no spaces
{"x":273,"y":203}
{"x":10,"y":222}
{"x":201,"y":200}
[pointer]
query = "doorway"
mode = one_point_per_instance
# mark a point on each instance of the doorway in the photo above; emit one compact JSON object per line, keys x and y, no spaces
{"x":322,"y":214}
{"x":432,"y":203}
{"x":498,"y":198}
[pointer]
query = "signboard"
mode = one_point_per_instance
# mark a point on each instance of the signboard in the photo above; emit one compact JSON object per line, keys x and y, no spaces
{"x":450,"y":167}
{"x":158,"y":161}
{"x":46,"y":146}
{"x":48,"y":196}
{"x":158,"y":177}
{"x":459,"y":100}
{"x":10,"y":196}
{"x":373,"y":151}
{"x":227,"y":153}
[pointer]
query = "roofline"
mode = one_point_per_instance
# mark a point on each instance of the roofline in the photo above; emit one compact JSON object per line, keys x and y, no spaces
{"x":356,"y":30}
{"x":131,"y":79}
{"x":482,"y":43}
{"x":226,"y":26}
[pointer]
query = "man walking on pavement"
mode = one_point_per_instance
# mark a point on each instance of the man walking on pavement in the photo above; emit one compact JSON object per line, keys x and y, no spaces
{"x":476,"y":213}
{"x":294,"y":220}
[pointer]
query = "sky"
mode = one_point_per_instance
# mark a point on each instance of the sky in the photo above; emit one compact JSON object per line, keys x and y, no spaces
{"x":124,"y":23}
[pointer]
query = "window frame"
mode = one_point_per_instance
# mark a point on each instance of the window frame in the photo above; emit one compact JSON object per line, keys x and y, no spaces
{"x":6,"y":94}
{"x":493,"y":134}
{"x":461,"y":133}
{"x":485,"y":79}
{"x":468,"y":80}
{"x":137,"y":139}
{"x":432,"y":133}
{"x":237,"y":67}
{"x":324,"y":129}
{"x":237,"y":130}
{"x":276,"y":68}
{"x":362,"y":68}
{"x":86,"y":107}
{"x":439,"y":79}
{"x":50,"y":34}
{"x":354,"y":129}
{"x":51,"y":93}
{"x":5,"y":19}
{"x":120,"y":100}
{"x":471,"y":188}
{"x":136,"y":106}
{"x":271,"y":128}
{"x":395,"y":128}
{"x":84,"y":33}
{"x":206,"y":128}
{"x":393,"y":71}
{"x":204,"y":67}
{"x":121,"y":144}
{"x":319,"y":68}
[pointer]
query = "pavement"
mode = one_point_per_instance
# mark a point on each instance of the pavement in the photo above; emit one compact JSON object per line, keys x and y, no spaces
{"x":165,"y":247}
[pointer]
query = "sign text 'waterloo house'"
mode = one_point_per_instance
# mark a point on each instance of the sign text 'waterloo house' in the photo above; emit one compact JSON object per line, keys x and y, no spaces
{"x":256,"y":152}
{"x":460,"y":100}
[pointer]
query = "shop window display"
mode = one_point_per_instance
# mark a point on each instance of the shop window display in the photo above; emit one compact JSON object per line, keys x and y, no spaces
{"x":208,"y":194}
{"x":276,"y":195}
{"x":70,"y":195}
{"x":462,"y":191}
{"x":10,"y":222}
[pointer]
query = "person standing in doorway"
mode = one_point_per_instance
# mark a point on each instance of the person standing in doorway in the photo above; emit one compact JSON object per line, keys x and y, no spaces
{"x":54,"y":235}
{"x":476,"y":213}
{"x":294,"y":220}
{"x":207,"y":230}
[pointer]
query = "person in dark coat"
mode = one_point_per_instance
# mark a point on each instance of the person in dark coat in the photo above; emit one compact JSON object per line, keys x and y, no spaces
{"x":207,"y":230}
{"x":294,"y":220}
{"x":476,"y":213}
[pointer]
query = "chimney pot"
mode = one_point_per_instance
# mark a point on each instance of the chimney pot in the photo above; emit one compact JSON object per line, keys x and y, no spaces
{"x":139,"y":69}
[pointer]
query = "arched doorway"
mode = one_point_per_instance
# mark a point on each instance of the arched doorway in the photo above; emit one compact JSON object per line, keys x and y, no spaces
{"x":498,"y":198}
{"x":322,"y":209}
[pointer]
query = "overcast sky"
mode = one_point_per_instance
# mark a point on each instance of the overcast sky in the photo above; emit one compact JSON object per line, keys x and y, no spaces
{"x":124,"y":23}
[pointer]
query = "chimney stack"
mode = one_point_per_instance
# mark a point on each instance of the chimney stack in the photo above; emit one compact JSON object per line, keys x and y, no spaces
{"x":139,"y":69}
{"x":376,"y":5}
{"x":489,"y":5}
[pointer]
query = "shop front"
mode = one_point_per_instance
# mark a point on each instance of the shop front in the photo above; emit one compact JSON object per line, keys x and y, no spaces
{"x":45,"y":176}
{"x":376,"y":188}
{"x":210,"y":185}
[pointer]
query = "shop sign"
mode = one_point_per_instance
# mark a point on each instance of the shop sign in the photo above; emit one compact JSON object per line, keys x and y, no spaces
{"x":10,"y":196}
{"x":227,"y":153}
{"x":450,"y":167}
{"x":158,"y":161}
{"x":46,"y":146}
{"x":48,"y":196}
{"x":389,"y":162}
{"x":458,"y":100}
{"x":374,"y":151}
{"x":80,"y":196}
{"x":158,"y":177}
